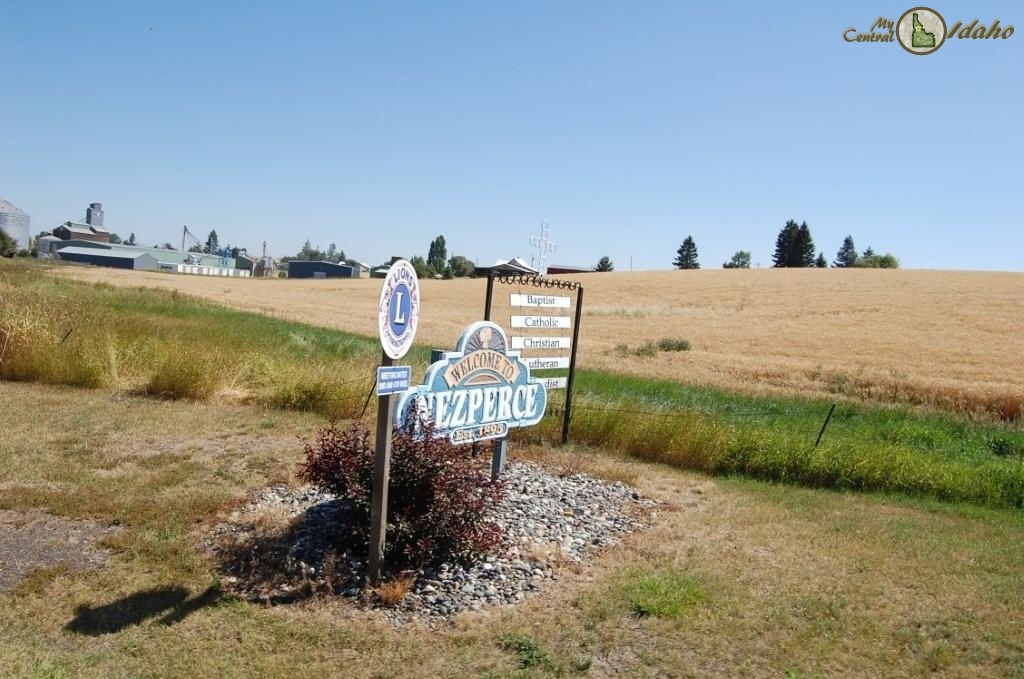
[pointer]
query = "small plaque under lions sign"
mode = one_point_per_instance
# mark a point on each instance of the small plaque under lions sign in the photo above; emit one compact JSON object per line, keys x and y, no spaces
{"x":393,"y":379}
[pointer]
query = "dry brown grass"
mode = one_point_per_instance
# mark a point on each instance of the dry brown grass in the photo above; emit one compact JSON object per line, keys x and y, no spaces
{"x":797,"y":581}
{"x":392,"y":592}
{"x":945,"y":338}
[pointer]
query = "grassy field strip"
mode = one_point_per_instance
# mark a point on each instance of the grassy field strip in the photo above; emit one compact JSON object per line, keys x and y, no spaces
{"x":164,"y":343}
{"x":734,"y":577}
{"x":942,"y":338}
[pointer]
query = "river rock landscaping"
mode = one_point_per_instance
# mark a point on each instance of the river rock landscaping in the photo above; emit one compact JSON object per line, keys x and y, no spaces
{"x":279,"y":547}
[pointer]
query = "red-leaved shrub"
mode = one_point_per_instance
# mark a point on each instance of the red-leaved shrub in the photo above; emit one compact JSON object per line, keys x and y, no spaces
{"x":438,"y":497}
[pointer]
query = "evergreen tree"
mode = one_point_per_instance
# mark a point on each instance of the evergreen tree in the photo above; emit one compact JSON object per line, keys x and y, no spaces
{"x":212,"y":242}
{"x":785,"y":244}
{"x":847,"y":254}
{"x":604,"y":264}
{"x":686,"y":255}
{"x":821,"y":262}
{"x":740,"y":260}
{"x":131,"y":239}
{"x":114,"y":239}
{"x":794,"y":246}
{"x":868,"y":253}
{"x":803,"y":256}
{"x":437,"y":254}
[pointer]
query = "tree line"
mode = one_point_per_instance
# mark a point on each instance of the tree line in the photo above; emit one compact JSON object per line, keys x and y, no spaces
{"x":794,"y":248}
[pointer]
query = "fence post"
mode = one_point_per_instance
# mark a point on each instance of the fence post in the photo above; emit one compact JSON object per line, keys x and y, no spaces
{"x":572,"y":366}
{"x":827,"y":418}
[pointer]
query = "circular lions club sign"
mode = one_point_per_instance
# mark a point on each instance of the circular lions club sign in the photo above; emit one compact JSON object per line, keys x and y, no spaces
{"x":398,"y":309}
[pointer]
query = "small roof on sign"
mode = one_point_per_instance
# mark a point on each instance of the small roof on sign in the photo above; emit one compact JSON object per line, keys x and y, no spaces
{"x":514,"y":264}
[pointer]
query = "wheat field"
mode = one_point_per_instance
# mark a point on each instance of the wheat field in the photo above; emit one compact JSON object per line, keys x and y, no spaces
{"x":950,"y":339}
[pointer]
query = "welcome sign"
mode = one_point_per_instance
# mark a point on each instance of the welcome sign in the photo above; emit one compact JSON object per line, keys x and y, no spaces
{"x":478,"y":392}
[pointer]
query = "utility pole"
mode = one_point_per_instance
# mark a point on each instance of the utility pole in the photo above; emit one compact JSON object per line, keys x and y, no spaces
{"x":184,"y":230}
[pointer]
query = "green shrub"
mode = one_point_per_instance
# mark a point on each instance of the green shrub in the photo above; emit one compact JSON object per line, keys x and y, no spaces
{"x":646,"y":350}
{"x":674,"y":344}
{"x":437,"y":498}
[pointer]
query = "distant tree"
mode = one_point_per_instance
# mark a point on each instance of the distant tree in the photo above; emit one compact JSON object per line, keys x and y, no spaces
{"x":460,"y":266}
{"x":114,"y":239}
{"x":167,"y":246}
{"x":794,"y":246}
{"x":605,"y":264}
{"x":212,"y":242}
{"x":437,"y":254}
{"x":740,"y":260}
{"x":804,"y":255}
{"x":197,"y":248}
{"x":8,"y":246}
{"x":847,"y":254}
{"x":784,"y":245}
{"x":686,"y":255}
{"x":308,"y":253}
{"x":869,"y":252}
{"x":131,"y":239}
{"x":821,"y":262}
{"x":423,"y":270}
{"x":334,"y":255}
{"x":873,"y":261}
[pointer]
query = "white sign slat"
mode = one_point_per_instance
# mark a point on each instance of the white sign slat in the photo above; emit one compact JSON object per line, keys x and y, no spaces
{"x":541,"y":342}
{"x":554,"y":382}
{"x":548,"y":301}
{"x":548,"y":363}
{"x":542,"y":322}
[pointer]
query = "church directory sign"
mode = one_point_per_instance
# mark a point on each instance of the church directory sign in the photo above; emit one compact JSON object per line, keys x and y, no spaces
{"x":477,"y":392}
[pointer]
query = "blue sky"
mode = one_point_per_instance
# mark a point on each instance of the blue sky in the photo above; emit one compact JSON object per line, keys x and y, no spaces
{"x":626,"y":126}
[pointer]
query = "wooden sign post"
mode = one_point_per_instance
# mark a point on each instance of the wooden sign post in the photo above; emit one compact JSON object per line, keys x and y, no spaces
{"x":398,"y":314}
{"x":381,"y":479}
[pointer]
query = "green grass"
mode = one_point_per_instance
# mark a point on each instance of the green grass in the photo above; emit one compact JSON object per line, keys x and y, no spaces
{"x":170,"y":345}
{"x":865,"y":447}
{"x":666,"y":594}
{"x":660,"y":592}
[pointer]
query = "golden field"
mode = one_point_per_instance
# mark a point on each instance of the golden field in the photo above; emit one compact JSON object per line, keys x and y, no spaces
{"x":946,"y":338}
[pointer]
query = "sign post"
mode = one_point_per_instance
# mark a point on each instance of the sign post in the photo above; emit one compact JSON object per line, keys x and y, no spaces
{"x":398,"y":314}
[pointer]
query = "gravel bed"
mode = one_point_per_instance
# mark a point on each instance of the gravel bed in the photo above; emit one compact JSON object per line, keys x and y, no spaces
{"x":548,"y":519}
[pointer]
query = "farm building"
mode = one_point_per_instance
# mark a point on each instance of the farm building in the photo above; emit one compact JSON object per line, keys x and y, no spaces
{"x":118,"y":259}
{"x":16,"y":223}
{"x":80,"y":231}
{"x":304,"y":269}
{"x":566,"y":268}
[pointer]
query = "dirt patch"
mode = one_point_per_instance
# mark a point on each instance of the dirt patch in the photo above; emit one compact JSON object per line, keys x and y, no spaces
{"x":34,"y":540}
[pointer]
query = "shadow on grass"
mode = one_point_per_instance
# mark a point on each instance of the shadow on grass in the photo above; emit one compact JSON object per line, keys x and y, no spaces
{"x":173,"y":602}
